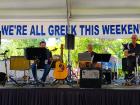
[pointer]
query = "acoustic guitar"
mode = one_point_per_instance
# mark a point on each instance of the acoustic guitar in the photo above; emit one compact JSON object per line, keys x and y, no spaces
{"x":60,"y":71}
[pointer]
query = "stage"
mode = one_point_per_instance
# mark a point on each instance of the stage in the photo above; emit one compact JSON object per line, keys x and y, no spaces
{"x":67,"y":95}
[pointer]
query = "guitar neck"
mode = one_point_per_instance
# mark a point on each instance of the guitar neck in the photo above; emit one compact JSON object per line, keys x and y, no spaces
{"x":61,"y":52}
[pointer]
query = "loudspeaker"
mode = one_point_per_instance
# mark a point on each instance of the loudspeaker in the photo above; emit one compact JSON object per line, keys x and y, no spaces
{"x":69,"y":41}
{"x":3,"y":78}
{"x":90,"y":78}
{"x":106,"y":77}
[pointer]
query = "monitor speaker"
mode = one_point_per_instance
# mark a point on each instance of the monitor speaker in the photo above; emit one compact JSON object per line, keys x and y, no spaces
{"x":90,"y":78}
{"x":3,"y":78}
{"x":69,"y":41}
{"x":106,"y":77}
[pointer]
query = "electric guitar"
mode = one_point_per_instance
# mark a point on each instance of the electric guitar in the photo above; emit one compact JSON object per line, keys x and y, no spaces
{"x":60,"y":71}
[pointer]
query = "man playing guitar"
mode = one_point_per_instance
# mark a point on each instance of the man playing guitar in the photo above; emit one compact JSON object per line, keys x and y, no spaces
{"x":130,"y":52}
{"x":43,"y":62}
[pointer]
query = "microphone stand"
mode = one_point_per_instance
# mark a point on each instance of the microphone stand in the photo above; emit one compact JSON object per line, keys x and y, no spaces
{"x":137,"y":70}
{"x":9,"y":77}
{"x":5,"y":62}
{"x":136,"y":77}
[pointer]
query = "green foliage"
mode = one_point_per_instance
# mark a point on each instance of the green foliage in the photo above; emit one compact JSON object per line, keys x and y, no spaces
{"x":113,"y":47}
{"x":12,"y":46}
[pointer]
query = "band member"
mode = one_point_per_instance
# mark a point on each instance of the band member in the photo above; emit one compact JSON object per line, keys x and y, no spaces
{"x":90,"y":64}
{"x":43,"y":62}
{"x":90,"y":50}
{"x":130,"y":52}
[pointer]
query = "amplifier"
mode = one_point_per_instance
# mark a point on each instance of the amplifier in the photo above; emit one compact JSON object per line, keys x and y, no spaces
{"x":3,"y":78}
{"x":106,"y":77}
{"x":90,"y":78}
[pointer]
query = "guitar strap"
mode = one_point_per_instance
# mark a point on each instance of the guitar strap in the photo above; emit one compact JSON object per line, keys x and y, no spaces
{"x":128,"y":46}
{"x":50,"y":66}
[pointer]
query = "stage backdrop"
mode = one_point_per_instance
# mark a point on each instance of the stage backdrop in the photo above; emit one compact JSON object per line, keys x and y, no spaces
{"x":108,"y":28}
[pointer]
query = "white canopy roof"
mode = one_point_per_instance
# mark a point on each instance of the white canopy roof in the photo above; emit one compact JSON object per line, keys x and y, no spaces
{"x":80,"y":9}
{"x":96,"y":18}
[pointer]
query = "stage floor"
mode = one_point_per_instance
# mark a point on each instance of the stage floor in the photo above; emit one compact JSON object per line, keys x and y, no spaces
{"x":67,"y":95}
{"x":62,"y":94}
{"x":108,"y":86}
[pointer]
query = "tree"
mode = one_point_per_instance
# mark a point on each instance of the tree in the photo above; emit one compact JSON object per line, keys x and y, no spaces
{"x":113,"y":47}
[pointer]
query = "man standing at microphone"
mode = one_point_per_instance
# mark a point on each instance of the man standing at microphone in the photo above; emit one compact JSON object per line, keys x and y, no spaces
{"x":131,"y":51}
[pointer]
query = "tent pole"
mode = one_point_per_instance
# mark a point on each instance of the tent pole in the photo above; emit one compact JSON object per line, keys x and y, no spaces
{"x":68,"y":4}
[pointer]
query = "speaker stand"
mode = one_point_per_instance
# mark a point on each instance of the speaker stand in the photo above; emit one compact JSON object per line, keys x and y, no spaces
{"x":69,"y":66}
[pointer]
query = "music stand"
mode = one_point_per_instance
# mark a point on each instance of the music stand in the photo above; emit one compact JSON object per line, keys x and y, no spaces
{"x":101,"y":58}
{"x":84,"y":56}
{"x":36,"y":53}
{"x":39,"y":55}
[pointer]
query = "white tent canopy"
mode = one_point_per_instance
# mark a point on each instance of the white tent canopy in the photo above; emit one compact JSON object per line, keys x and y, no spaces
{"x":106,"y":18}
{"x":80,"y":9}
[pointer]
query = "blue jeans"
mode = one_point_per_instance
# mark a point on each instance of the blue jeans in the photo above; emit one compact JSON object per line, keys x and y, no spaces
{"x":46,"y":72}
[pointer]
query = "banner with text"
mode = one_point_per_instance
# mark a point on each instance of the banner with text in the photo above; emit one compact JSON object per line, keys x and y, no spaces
{"x":96,"y":29}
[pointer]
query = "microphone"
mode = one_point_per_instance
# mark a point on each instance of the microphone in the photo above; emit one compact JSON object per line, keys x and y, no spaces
{"x":54,"y":49}
{"x":6,"y":51}
{"x":19,"y":48}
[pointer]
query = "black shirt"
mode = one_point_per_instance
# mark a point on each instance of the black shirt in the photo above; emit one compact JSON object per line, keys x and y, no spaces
{"x":92,"y":53}
{"x":42,"y":59}
{"x":131,"y":49}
